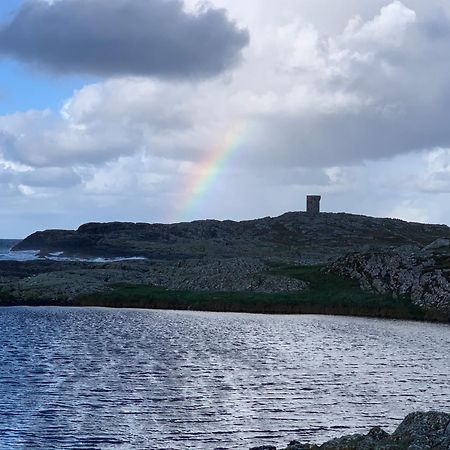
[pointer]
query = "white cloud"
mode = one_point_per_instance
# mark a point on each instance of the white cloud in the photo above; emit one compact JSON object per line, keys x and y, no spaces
{"x":352,"y":105}
{"x":313,"y":99}
{"x":407,"y":211}
{"x":387,"y":29}
{"x":435,"y":177}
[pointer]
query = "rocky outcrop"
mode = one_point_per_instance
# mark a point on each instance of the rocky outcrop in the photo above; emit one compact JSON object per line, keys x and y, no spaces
{"x":297,"y":236}
{"x":226,"y":275}
{"x":63,"y":281}
{"x":418,"y":431}
{"x":422,"y":275}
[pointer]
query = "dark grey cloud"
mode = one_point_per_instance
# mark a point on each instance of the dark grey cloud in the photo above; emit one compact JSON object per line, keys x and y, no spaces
{"x":50,"y":177}
{"x":123,"y":37}
{"x":351,"y":137}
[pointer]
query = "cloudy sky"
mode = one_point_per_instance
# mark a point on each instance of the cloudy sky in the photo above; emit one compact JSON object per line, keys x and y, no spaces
{"x":171,"y":110}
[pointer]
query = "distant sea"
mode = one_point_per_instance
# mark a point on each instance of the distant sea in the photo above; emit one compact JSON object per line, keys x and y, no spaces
{"x":7,"y":255}
{"x":31,"y":255}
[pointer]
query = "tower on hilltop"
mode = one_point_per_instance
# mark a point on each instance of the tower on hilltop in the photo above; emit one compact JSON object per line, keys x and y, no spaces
{"x":313,"y":204}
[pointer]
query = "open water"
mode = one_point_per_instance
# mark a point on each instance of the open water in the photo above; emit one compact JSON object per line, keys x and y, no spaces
{"x":122,"y":379}
{"x":7,"y":255}
{"x":33,"y":255}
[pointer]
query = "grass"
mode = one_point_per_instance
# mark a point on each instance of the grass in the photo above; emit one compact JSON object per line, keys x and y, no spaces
{"x":326,"y":294}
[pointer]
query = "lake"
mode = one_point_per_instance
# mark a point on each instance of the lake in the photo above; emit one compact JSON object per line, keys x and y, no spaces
{"x":120,"y":379}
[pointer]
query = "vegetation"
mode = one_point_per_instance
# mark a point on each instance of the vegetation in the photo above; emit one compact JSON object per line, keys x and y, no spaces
{"x":326,"y":294}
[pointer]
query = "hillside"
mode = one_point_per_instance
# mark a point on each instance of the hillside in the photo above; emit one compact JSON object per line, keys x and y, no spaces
{"x":296,"y":236}
{"x":295,"y":263}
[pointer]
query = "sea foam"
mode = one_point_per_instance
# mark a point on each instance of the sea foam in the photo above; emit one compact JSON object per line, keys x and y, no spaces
{"x":33,"y":255}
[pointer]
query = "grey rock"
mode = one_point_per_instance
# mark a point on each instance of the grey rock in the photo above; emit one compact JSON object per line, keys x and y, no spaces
{"x":352,"y":442}
{"x":424,"y":430}
{"x":424,"y":278}
{"x":438,"y":243}
{"x":377,"y":434}
{"x":296,"y":445}
{"x":264,"y":447}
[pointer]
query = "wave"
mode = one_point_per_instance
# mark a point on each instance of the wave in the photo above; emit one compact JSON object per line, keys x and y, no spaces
{"x":33,"y":255}
{"x":8,"y":255}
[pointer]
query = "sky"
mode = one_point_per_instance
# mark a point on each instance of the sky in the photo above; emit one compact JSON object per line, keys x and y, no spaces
{"x":176,"y":110}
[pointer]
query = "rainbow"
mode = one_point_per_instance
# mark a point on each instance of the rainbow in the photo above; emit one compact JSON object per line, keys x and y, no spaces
{"x":206,"y":172}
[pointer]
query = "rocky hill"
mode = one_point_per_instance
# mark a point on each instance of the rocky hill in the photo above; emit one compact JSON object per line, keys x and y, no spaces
{"x":296,"y":236}
{"x":295,"y":263}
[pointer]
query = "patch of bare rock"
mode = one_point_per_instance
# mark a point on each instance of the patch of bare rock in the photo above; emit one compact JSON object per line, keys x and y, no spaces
{"x":421,"y":274}
{"x":63,"y":281}
{"x":418,"y":431}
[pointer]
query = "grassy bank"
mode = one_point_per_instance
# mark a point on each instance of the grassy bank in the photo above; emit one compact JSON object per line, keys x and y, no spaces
{"x":326,"y":294}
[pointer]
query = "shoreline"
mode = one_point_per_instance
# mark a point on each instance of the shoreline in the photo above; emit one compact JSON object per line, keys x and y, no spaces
{"x":418,"y":431}
{"x":252,"y":311}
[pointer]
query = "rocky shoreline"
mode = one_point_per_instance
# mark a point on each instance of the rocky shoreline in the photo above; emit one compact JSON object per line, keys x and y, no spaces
{"x":418,"y":431}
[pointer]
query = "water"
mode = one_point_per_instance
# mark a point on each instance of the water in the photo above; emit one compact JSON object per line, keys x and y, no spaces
{"x":122,"y":379}
{"x":7,"y":255}
{"x":33,"y":255}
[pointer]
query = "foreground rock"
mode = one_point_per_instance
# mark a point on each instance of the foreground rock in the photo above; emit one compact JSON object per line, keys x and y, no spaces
{"x":419,"y":431}
{"x":423,"y":275}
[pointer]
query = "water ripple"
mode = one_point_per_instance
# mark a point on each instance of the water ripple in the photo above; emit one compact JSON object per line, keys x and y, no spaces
{"x":120,"y":379}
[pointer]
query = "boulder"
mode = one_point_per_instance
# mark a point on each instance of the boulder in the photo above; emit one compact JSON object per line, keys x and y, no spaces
{"x":296,"y":445}
{"x":264,"y":447}
{"x":422,"y":429}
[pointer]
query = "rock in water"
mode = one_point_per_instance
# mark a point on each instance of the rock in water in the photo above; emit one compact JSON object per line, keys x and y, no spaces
{"x":264,"y":447}
{"x":418,"y":431}
{"x":424,"y":430}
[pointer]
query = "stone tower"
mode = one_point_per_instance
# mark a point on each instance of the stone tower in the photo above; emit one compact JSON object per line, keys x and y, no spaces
{"x":313,"y":204}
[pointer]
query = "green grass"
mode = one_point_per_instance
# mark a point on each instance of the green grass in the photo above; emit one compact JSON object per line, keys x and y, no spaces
{"x":326,"y":294}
